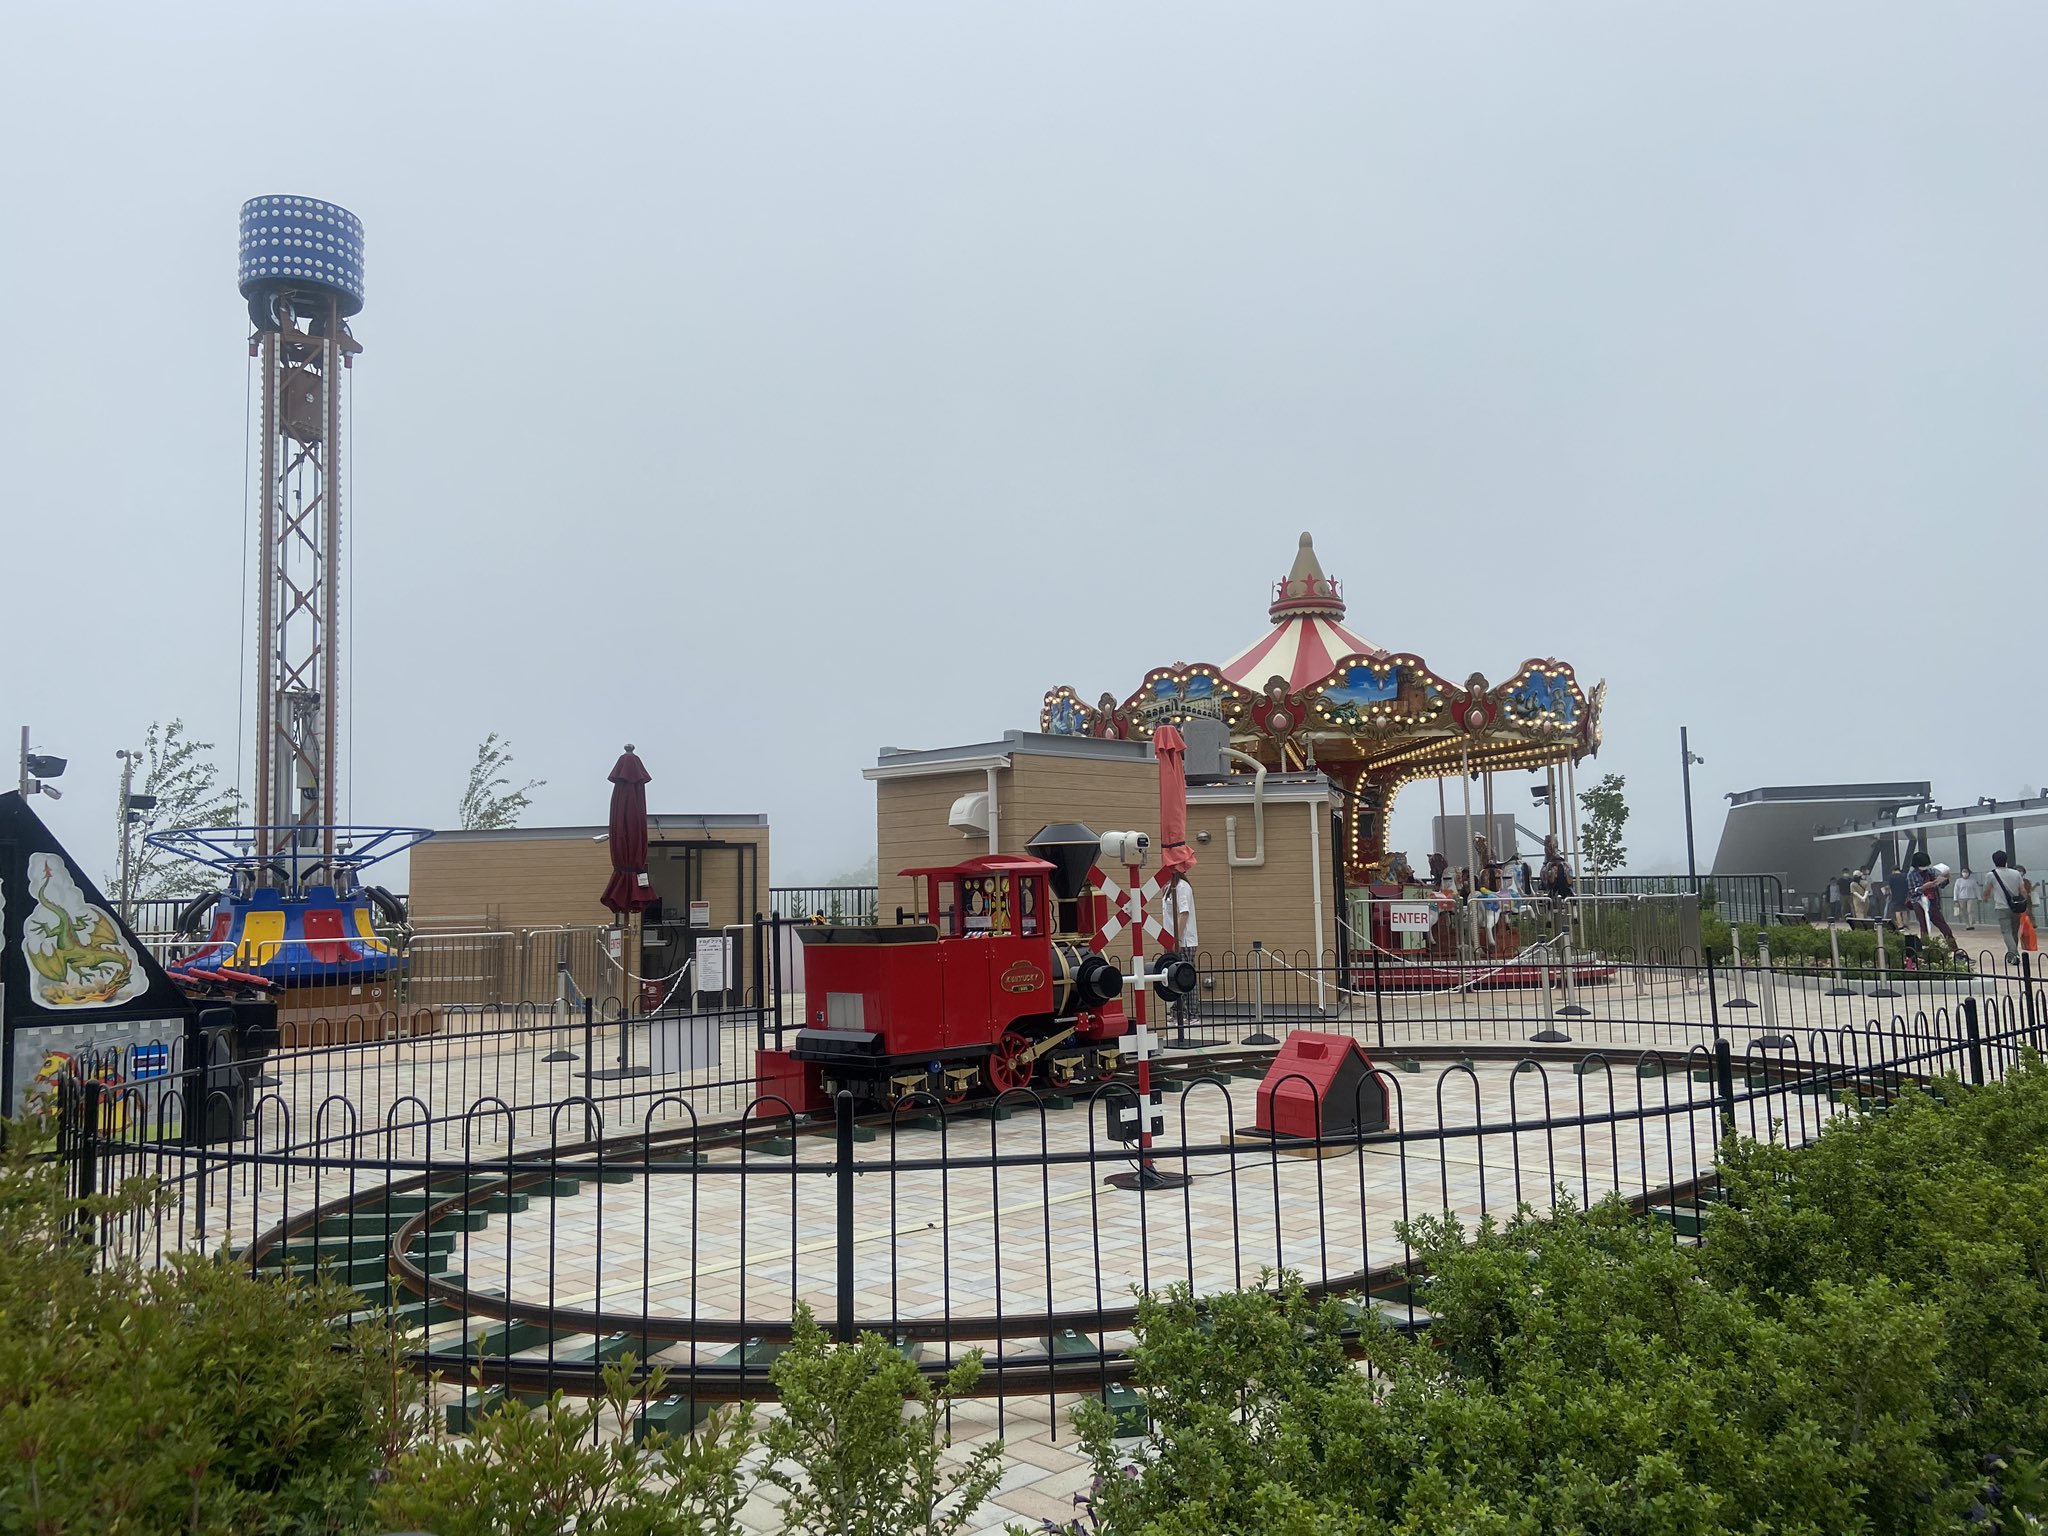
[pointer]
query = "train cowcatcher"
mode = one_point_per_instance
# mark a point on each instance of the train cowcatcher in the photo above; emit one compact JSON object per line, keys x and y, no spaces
{"x":996,"y":982}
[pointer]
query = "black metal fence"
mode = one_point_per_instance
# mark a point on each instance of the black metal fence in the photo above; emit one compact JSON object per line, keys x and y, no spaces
{"x":833,"y":903}
{"x":535,"y":1192}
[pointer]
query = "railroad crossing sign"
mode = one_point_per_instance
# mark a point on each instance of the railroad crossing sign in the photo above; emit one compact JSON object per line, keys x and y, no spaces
{"x":1135,"y":908}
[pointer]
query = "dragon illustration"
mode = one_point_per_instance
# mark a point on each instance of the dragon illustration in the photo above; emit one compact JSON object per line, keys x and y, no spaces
{"x":87,"y":968}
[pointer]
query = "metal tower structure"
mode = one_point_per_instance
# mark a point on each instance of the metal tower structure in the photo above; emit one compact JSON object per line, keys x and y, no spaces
{"x":301,"y":272}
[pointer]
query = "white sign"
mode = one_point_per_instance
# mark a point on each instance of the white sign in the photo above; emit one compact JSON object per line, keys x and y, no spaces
{"x":683,"y":1043}
{"x":700,"y":914}
{"x":1411,"y":916}
{"x":713,"y":957}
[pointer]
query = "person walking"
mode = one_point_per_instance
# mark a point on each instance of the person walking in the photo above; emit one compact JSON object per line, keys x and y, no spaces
{"x":1966,"y":898}
{"x":1898,"y":896}
{"x":2007,"y":890}
{"x":1859,"y":897}
{"x":1930,"y":878}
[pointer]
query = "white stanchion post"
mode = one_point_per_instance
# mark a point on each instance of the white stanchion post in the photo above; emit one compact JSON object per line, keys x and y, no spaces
{"x":1770,"y":1039}
{"x":1739,"y":1000}
{"x":1841,"y":988}
{"x":1884,"y":987}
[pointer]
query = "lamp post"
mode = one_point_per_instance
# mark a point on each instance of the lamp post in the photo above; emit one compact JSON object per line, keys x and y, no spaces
{"x":1686,"y":758}
{"x":36,"y":769}
{"x":132,"y":807}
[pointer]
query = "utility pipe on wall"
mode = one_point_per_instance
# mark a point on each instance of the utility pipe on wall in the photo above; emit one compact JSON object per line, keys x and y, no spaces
{"x":1315,"y":886}
{"x":1257,"y":859}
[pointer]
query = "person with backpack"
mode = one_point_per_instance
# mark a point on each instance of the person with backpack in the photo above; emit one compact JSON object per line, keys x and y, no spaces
{"x":2006,"y":889}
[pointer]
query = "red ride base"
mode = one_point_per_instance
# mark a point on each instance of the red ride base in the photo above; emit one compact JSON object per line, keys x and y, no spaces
{"x":779,"y":1075}
{"x":1321,"y":1085}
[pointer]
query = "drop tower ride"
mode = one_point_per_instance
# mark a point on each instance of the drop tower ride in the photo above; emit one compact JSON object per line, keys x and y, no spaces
{"x":293,"y":908}
{"x":301,"y":271}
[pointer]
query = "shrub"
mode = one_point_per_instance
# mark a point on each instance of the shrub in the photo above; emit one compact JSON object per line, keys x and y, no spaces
{"x":541,"y":1470}
{"x":1860,"y":1342}
{"x":191,"y":1398}
{"x":851,"y":1459}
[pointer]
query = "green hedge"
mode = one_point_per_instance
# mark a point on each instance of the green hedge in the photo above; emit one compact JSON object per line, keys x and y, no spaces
{"x":1859,"y":1343}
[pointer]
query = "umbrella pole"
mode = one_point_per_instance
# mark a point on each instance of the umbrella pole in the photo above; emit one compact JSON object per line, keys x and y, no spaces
{"x":629,"y":970}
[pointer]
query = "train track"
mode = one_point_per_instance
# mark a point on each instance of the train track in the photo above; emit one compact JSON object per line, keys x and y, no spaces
{"x":391,"y":1240}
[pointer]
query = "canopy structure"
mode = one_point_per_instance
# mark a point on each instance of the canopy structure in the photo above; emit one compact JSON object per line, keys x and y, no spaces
{"x":1311,"y":693}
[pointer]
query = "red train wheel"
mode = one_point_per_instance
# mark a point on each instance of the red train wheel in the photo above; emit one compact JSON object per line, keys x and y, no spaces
{"x":1009,"y":1065}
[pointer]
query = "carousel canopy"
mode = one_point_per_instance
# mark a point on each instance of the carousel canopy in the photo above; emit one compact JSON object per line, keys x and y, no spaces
{"x":1312,"y":693}
{"x":1308,"y":637}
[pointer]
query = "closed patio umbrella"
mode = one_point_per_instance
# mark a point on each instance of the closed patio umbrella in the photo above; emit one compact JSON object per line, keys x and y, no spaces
{"x":1172,"y":752}
{"x":629,"y":891}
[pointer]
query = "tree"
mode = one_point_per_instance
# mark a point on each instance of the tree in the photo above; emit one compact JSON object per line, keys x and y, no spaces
{"x":489,"y":802}
{"x":182,"y":776}
{"x":1600,"y":834}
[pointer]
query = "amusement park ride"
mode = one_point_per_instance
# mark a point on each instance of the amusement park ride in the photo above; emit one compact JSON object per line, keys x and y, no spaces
{"x":1310,"y":694}
{"x":1004,"y":983}
{"x":292,"y":921}
{"x":292,"y":907}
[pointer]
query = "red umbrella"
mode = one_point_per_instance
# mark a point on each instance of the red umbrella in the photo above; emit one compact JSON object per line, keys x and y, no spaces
{"x":629,"y":891}
{"x":1172,"y":752}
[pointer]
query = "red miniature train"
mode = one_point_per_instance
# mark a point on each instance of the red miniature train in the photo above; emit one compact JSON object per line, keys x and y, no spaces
{"x":997,"y":988}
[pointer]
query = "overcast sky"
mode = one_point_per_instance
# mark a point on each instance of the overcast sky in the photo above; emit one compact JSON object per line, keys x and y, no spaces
{"x":767,"y":383}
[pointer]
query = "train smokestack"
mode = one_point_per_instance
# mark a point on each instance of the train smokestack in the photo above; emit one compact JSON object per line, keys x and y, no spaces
{"x":1071,"y":849}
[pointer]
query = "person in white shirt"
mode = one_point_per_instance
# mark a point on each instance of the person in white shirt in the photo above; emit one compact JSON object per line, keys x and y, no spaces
{"x":1966,"y":898}
{"x":1177,"y":911}
{"x":2002,"y":887}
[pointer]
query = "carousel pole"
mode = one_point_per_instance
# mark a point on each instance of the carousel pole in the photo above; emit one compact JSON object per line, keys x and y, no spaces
{"x":1487,"y":802}
{"x":1471,"y":883}
{"x":1571,"y":820}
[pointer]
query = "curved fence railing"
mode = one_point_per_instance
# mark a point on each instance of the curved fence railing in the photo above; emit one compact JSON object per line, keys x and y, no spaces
{"x":536,"y":1197}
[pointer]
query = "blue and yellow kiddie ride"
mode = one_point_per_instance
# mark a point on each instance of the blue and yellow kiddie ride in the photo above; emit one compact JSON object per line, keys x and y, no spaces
{"x":297,"y":916}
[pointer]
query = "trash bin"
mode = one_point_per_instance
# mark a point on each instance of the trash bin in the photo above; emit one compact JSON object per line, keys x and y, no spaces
{"x":212,"y":1087}
{"x":256,"y":1036}
{"x":226,"y":1045}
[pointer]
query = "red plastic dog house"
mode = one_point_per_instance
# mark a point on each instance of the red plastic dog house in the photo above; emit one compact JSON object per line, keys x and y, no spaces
{"x":1321,"y":1085}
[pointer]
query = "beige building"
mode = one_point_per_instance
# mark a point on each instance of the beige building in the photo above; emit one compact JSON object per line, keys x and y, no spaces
{"x":1281,"y":888}
{"x":710,"y":873}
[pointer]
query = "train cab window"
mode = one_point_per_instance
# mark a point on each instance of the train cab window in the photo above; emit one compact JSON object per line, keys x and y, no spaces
{"x":1028,"y":897}
{"x":983,"y":905}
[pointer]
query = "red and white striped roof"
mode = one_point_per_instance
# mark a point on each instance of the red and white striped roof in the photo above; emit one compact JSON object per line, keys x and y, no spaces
{"x":1308,"y":637}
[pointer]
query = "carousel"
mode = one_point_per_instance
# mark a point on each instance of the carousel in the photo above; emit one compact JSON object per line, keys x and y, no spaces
{"x":1311,"y":694}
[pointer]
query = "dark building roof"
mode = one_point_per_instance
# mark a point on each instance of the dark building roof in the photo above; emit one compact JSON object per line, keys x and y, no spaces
{"x":1770,"y":831}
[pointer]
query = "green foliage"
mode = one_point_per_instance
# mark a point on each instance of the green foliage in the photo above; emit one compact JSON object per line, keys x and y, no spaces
{"x":192,"y":1398}
{"x":488,"y":800}
{"x":182,"y":776}
{"x":1600,"y":845}
{"x":542,"y":1470}
{"x":1860,"y":1343}
{"x":850,"y":1458}
{"x":1807,"y":945}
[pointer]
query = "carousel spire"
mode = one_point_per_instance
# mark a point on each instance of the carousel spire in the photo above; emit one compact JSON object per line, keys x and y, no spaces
{"x":1308,"y":637}
{"x":1306,"y":592}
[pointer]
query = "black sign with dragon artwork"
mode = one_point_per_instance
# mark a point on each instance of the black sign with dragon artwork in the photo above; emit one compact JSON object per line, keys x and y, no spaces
{"x":74,"y":979}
